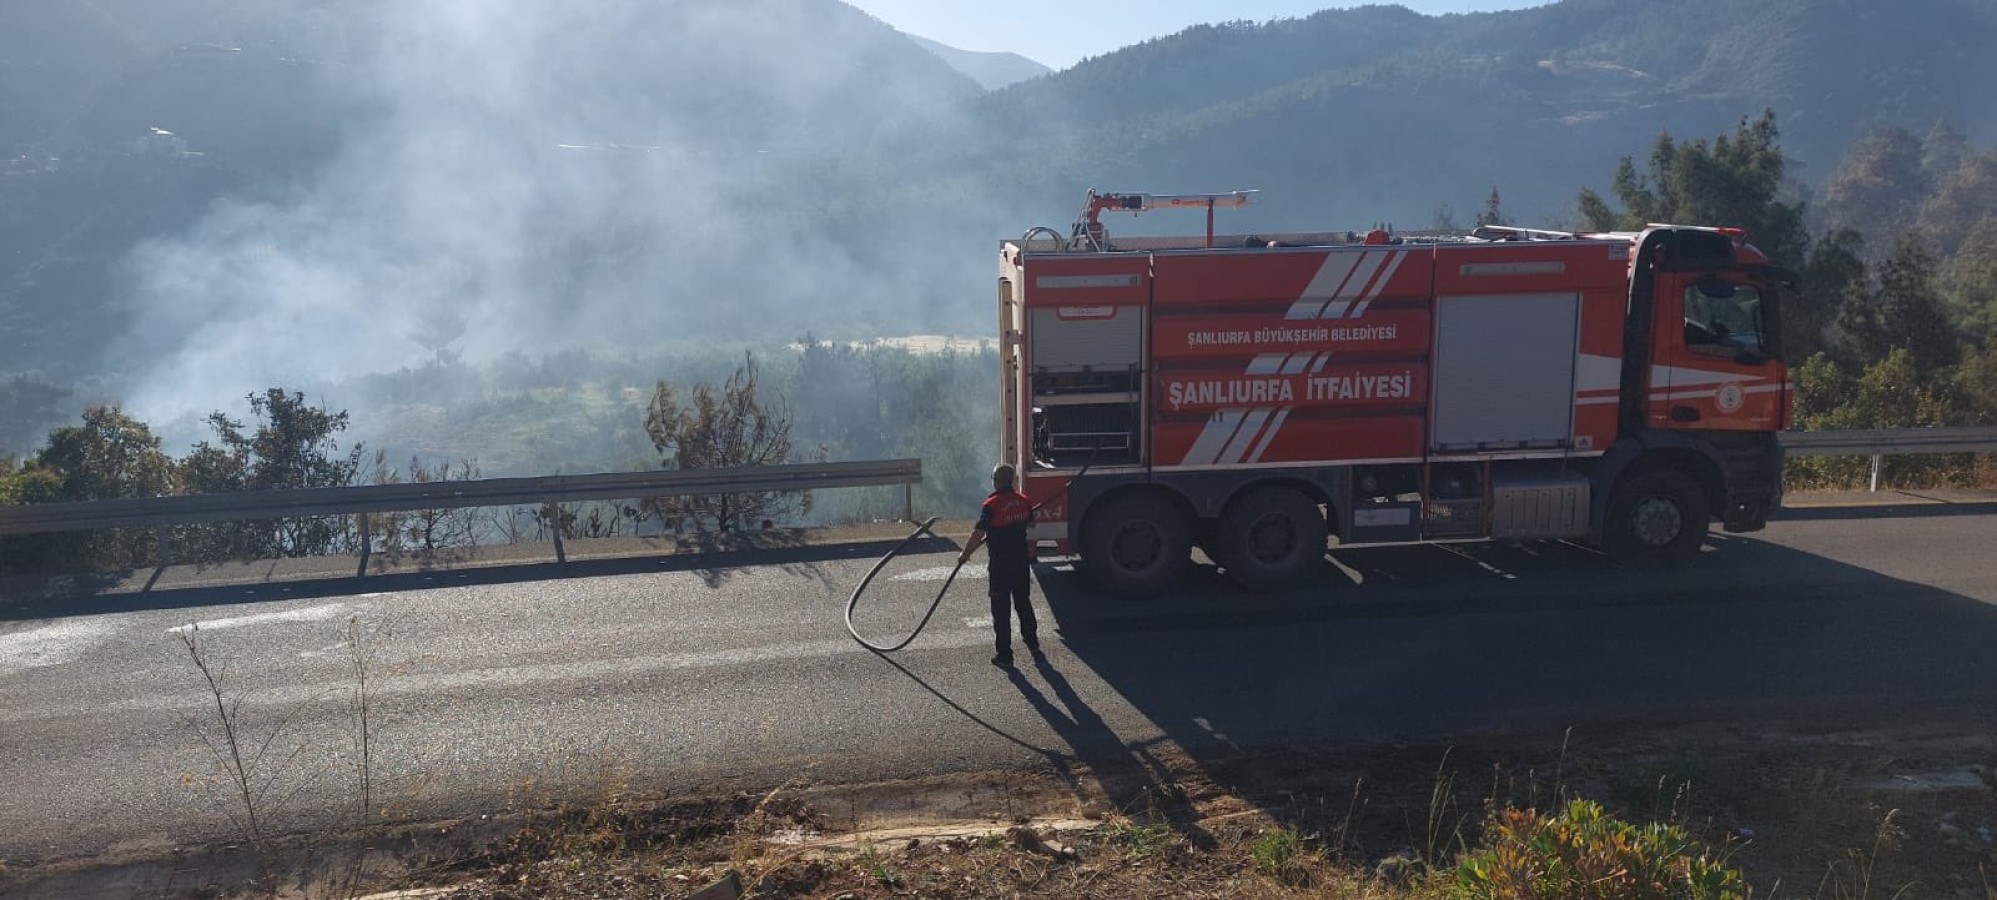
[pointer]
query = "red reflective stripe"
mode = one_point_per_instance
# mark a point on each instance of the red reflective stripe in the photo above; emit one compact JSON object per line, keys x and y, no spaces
{"x":1006,"y":510}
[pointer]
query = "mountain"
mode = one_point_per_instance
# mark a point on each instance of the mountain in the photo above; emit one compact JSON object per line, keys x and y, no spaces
{"x":560,"y":143}
{"x":407,"y":179}
{"x":992,"y":70}
{"x":1379,"y":113}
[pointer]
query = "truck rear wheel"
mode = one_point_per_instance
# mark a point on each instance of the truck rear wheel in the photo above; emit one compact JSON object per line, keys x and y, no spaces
{"x":1136,"y":545}
{"x":1271,"y":538}
{"x":1656,"y":519}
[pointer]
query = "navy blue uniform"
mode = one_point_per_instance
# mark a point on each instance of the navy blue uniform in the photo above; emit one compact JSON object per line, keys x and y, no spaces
{"x":1004,"y":519}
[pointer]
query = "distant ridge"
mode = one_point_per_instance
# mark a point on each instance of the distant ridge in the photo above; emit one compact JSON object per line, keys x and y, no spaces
{"x":991,"y":70}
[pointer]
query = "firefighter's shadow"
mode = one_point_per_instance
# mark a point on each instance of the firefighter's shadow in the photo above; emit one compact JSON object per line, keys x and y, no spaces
{"x":1131,"y":776}
{"x":1127,"y":775}
{"x":1426,"y":645}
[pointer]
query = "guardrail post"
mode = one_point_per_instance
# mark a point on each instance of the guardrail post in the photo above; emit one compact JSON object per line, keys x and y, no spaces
{"x":367,"y":542}
{"x":1876,"y":460}
{"x":908,"y":501}
{"x":561,"y":553}
{"x":160,"y":558}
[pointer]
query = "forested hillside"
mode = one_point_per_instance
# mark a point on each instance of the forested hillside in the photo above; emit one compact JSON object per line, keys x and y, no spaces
{"x":361,"y":188}
{"x":1380,"y":114}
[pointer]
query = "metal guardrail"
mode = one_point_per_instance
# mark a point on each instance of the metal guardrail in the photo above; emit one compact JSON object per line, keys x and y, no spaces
{"x":1880,"y":443}
{"x":161,"y":512}
{"x":1889,"y":441}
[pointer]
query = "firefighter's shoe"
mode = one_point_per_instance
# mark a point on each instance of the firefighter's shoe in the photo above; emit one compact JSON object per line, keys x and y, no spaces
{"x":1003,"y":662}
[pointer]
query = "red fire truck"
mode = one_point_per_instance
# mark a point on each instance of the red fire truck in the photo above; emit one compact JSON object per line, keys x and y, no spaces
{"x":1252,"y":395}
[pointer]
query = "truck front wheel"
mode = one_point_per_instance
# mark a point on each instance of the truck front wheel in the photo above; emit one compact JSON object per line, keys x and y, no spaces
{"x":1271,"y":538}
{"x":1656,"y":519}
{"x":1136,"y":545}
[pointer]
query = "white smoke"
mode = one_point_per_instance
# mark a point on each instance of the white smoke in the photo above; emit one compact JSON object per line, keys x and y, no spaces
{"x":549,"y":174}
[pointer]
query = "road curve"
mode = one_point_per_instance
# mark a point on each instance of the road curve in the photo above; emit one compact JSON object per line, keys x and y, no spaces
{"x":657,"y":675}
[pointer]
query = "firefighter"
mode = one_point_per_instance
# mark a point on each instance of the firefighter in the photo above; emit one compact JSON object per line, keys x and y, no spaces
{"x":1002,"y":526}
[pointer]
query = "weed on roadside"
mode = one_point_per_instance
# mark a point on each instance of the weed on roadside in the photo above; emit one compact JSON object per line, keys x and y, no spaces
{"x":1137,"y":842}
{"x":250,"y":751}
{"x":1857,"y":876}
{"x":1281,"y":854}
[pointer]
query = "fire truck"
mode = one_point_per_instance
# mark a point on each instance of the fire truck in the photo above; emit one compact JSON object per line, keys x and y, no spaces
{"x":1252,"y":396}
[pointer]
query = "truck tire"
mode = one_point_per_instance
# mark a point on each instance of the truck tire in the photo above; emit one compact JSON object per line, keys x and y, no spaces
{"x":1271,"y":538}
{"x":1656,"y":519}
{"x":1136,"y":545}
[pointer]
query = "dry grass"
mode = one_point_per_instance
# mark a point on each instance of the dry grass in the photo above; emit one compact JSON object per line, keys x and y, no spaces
{"x":1261,"y":831}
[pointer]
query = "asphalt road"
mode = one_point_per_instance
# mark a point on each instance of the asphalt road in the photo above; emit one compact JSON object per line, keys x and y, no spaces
{"x":544,"y":682}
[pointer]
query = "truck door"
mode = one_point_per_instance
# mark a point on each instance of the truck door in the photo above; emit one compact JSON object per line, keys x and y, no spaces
{"x":1715,"y":365}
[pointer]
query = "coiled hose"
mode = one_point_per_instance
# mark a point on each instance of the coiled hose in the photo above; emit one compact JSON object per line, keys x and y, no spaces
{"x":861,"y":588}
{"x":854,"y":600}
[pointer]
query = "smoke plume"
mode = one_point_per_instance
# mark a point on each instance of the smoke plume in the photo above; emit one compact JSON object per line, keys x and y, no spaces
{"x":534,"y":175}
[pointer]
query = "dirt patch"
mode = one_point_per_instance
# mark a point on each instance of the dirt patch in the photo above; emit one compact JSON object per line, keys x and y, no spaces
{"x":1835,"y":814}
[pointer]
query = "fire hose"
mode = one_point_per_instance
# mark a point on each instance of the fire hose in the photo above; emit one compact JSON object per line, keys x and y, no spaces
{"x":853,"y":600}
{"x":861,"y":588}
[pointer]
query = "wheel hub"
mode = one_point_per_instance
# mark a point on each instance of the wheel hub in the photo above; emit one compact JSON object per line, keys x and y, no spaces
{"x":1272,"y":539}
{"x":1657,"y":522}
{"x":1138,"y":546}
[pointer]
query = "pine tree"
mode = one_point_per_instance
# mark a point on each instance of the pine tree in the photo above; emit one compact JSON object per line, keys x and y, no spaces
{"x":1911,"y":314}
{"x":1493,"y":214}
{"x":1736,"y":180}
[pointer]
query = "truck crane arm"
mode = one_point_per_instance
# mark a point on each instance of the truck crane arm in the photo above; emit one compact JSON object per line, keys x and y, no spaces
{"x":1090,"y":234}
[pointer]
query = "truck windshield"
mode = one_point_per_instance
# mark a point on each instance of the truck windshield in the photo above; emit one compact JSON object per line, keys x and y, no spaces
{"x":1724,"y":319}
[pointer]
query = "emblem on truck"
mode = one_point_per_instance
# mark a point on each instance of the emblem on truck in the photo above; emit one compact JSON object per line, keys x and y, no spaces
{"x":1730,"y":398}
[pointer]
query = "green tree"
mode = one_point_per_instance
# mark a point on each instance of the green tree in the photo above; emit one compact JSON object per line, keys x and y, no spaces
{"x":1944,"y":149}
{"x":1978,"y":380}
{"x":1879,"y":185}
{"x":1969,"y":281}
{"x":1836,"y":302}
{"x":1962,"y":199}
{"x":110,"y":456}
{"x":1890,"y":393}
{"x":1822,"y":388}
{"x":294,"y":445}
{"x":1910,"y":308}
{"x":731,"y":428}
{"x":1736,"y":180}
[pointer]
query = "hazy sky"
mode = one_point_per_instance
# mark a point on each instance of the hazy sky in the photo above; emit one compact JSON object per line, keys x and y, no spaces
{"x":1060,"y":32}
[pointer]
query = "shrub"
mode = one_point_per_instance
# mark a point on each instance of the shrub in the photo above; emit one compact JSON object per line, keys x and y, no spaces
{"x":1584,"y":854}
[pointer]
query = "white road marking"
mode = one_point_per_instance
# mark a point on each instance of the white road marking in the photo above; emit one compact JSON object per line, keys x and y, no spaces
{"x":972,"y":571}
{"x":49,"y":645}
{"x":505,"y":678}
{"x":984,"y":622}
{"x":308,"y":614}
